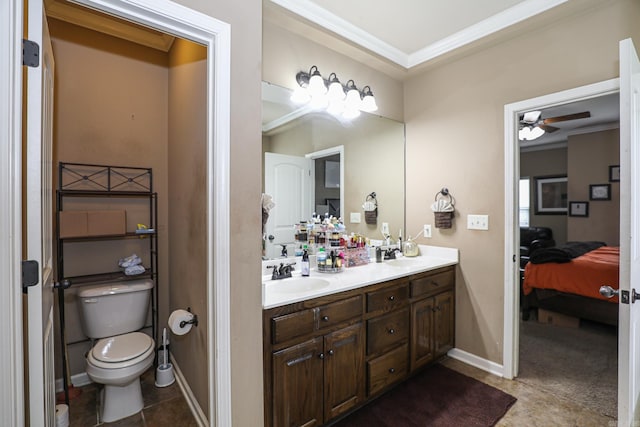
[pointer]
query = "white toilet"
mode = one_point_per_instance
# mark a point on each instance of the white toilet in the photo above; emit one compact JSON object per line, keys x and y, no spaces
{"x":112,"y":313}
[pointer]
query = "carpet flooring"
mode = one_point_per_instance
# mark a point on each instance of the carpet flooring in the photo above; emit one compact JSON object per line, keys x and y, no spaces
{"x":438,"y":396}
{"x":579,"y":364}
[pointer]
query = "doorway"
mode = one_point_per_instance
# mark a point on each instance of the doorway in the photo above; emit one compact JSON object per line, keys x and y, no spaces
{"x":174,"y":19}
{"x":512,"y":231}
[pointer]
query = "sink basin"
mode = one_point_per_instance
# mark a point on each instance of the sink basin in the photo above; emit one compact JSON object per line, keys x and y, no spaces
{"x":297,"y":284}
{"x":404,"y":262}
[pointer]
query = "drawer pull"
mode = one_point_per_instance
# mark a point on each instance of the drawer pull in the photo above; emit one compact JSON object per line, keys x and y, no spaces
{"x":330,"y":352}
{"x":392,"y":331}
{"x":391,"y":298}
{"x":321,"y":355}
{"x":325,"y":318}
{"x":392,"y":370}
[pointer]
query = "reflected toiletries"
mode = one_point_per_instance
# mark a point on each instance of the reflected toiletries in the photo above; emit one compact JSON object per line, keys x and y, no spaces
{"x":304,"y":265}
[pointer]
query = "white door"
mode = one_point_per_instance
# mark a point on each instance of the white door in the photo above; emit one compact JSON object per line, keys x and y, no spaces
{"x":289,"y":180}
{"x":629,"y":322}
{"x":39,"y":218}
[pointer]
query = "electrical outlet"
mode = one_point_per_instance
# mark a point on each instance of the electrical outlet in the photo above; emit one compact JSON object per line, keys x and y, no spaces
{"x":478,"y":222}
{"x":385,"y":228}
{"x":427,"y":231}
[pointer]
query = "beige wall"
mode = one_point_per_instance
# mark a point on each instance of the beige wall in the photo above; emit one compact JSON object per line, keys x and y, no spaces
{"x":111,"y":109}
{"x":245,"y":19}
{"x":539,"y":164}
{"x":590,"y":156}
{"x":454,"y":116}
{"x":187,"y":209}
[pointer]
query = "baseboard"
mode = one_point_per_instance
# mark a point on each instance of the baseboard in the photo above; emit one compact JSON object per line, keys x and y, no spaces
{"x":196,"y":410}
{"x":78,"y":380}
{"x":478,"y":362}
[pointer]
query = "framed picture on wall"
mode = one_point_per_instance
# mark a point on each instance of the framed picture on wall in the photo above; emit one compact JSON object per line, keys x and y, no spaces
{"x":614,"y":173}
{"x":550,"y":195}
{"x":600,"y":192}
{"x":578,"y":208}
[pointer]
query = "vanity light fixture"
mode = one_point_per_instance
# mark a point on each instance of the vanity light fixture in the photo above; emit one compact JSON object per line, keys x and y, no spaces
{"x":341,"y":101}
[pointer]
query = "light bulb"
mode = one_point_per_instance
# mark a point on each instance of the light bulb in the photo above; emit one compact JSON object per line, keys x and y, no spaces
{"x":353,"y":100}
{"x":369,"y":104}
{"x":300,"y":96}
{"x":316,"y":85}
{"x":336,"y":92}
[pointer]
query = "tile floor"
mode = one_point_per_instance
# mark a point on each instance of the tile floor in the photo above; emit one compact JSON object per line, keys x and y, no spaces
{"x":162,"y":407}
{"x":535,"y":407}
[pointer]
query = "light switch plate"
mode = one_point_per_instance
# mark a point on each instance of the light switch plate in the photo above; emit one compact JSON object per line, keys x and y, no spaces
{"x":478,"y":222}
{"x":385,"y":228}
{"x":354,"y":218}
{"x":427,"y":231}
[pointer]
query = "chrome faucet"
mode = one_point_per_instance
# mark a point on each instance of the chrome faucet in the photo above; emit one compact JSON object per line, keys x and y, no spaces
{"x":281,"y":272}
{"x":391,"y":253}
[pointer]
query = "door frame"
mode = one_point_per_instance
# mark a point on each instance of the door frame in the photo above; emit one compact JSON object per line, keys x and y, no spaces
{"x":166,"y":17}
{"x":338,"y":149}
{"x":12,"y":404}
{"x":512,"y":230}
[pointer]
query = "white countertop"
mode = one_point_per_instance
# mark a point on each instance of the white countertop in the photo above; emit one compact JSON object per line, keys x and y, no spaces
{"x":286,"y":291}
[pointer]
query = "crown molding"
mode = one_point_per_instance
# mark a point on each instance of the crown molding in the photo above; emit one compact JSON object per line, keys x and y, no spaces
{"x":493,"y":24}
{"x":310,"y":11}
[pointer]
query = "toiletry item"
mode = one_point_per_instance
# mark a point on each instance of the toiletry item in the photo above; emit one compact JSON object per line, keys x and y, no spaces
{"x":410,"y":248}
{"x":400,"y":240}
{"x":304,"y":264}
{"x":321,"y":256}
{"x":378,"y":254}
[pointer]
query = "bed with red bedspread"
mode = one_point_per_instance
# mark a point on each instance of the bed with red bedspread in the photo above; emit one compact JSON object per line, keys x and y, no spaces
{"x":567,"y":280}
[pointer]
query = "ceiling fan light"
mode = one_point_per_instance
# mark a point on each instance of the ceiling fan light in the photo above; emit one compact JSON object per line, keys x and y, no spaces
{"x":536,"y":132}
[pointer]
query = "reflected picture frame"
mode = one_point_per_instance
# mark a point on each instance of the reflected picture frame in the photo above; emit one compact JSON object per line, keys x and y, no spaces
{"x":600,"y":192}
{"x":614,"y":173}
{"x":551,"y":195}
{"x":579,"y":208}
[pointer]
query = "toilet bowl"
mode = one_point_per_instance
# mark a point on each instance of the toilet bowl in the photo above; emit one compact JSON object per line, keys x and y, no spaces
{"x":118,"y":362}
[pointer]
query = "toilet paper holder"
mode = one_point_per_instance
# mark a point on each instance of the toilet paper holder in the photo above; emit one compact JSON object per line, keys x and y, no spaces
{"x":193,"y":321}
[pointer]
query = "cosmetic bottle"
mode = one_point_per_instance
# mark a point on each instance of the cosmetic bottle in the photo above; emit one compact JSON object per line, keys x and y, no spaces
{"x":304,"y":264}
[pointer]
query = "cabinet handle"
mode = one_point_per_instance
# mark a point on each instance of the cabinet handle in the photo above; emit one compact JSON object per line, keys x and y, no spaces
{"x":392,"y":370}
{"x":392,"y":331}
{"x":321,"y":355}
{"x":330,"y":352}
{"x":391,"y":298}
{"x":325,"y":318}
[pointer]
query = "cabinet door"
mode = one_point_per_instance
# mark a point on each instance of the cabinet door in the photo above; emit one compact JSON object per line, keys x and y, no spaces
{"x":444,"y":324}
{"x":422,"y":342}
{"x":344,"y":370}
{"x":297,"y":385}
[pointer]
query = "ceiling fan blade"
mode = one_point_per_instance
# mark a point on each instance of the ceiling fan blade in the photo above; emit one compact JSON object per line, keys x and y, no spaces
{"x":583,"y":115}
{"x":548,"y":128}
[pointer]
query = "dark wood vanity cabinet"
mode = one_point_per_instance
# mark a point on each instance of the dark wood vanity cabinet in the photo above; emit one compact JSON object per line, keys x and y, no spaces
{"x":329,"y":355}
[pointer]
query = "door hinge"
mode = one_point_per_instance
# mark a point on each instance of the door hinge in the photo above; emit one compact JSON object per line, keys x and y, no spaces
{"x":30,"y":53}
{"x":30,"y":274}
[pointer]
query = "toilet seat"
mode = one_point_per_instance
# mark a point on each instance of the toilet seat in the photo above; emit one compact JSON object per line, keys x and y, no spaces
{"x":121,"y":351}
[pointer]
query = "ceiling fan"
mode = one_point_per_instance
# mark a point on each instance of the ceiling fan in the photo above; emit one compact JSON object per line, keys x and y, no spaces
{"x":533,"y":126}
{"x":532,"y":118}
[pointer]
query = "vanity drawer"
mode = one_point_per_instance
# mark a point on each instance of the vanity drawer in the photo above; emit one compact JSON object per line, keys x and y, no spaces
{"x":432,"y":283}
{"x":337,"y":312}
{"x":389,"y":298}
{"x":385,"y":331}
{"x":388,"y":369}
{"x":292,"y":325}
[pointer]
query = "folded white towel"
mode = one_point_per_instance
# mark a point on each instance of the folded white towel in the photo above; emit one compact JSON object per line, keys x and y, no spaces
{"x":129,"y":261}
{"x":442,"y":206}
{"x":267,"y":202}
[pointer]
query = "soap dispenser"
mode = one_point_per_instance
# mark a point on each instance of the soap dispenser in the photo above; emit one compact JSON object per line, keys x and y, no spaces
{"x":304,"y":264}
{"x":410,"y":248}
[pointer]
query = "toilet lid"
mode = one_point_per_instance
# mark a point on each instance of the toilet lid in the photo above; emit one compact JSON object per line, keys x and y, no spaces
{"x":121,"y":347}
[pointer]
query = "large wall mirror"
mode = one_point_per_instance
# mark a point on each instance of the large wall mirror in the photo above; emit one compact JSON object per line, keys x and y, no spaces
{"x":313,"y":162}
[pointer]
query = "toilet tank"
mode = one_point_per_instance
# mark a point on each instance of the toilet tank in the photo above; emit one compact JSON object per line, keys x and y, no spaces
{"x":114,"y":308}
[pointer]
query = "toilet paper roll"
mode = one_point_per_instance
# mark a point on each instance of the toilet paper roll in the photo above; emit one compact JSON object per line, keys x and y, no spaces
{"x":62,"y":415}
{"x":180,"y":316}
